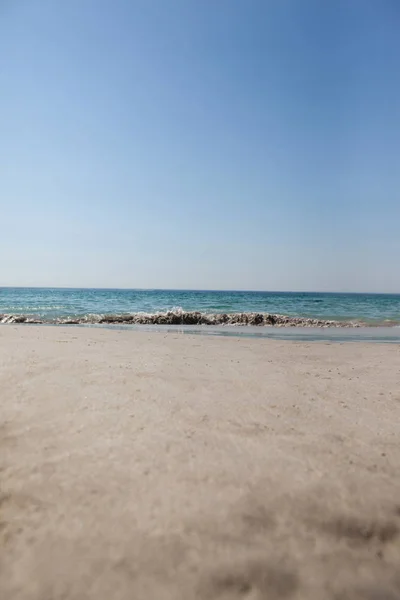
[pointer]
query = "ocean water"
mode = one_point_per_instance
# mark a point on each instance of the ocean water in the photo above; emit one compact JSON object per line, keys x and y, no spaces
{"x":49,"y":304}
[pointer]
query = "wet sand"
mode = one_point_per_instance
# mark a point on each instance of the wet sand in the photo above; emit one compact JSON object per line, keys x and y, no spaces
{"x":167,"y":466}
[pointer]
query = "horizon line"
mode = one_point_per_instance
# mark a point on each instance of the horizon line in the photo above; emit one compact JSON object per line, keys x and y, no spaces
{"x":227,"y":290}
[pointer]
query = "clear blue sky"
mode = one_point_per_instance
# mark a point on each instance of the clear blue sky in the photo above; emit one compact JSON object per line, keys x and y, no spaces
{"x":246,"y":144}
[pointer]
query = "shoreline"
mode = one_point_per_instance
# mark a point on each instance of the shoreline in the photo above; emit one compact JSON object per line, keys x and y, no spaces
{"x":368,"y":335}
{"x":360,"y":335}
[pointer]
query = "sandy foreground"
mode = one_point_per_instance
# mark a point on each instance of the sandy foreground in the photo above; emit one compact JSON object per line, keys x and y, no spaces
{"x":167,"y":466}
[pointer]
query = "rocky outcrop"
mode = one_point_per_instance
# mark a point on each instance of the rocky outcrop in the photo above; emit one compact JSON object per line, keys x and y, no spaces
{"x":182,"y":317}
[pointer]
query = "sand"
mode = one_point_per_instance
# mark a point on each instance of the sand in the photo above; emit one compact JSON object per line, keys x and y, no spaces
{"x":167,"y":466}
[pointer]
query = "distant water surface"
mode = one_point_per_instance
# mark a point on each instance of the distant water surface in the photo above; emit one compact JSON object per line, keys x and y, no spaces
{"x":50,"y":303}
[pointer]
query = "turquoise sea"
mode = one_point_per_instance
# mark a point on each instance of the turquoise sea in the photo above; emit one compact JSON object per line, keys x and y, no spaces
{"x":51,"y":303}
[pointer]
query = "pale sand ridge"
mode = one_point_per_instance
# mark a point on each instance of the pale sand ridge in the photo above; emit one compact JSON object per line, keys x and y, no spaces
{"x":165,"y":467}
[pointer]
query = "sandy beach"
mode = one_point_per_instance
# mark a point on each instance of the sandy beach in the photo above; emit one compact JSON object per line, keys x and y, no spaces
{"x":177,"y":467}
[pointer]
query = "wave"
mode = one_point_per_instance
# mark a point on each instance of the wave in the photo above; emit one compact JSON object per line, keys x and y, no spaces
{"x":179,"y":316}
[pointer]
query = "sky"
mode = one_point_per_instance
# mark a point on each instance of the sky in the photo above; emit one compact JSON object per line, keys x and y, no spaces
{"x":200,"y":144}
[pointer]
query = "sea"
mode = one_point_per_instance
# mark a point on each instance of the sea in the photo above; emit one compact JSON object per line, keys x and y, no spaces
{"x":48,"y":304}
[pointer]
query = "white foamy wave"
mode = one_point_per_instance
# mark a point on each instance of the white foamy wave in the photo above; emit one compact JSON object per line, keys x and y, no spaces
{"x":181,"y":317}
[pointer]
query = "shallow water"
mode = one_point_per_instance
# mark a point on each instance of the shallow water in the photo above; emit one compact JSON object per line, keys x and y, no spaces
{"x":51,"y":303}
{"x":390,"y":335}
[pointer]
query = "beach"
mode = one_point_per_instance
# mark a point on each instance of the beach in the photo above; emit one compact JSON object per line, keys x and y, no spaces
{"x":176,"y":467}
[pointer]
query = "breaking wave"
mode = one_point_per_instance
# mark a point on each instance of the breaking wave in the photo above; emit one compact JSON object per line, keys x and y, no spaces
{"x":178,"y":316}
